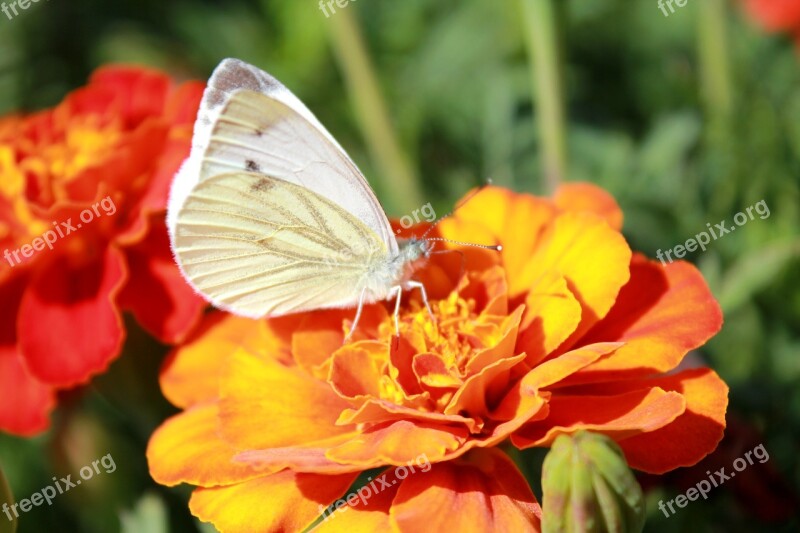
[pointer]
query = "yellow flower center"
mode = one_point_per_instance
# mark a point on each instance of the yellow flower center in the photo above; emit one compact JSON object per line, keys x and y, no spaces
{"x":39,"y":171}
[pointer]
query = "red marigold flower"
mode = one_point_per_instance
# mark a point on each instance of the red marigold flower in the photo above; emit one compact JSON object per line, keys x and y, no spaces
{"x":83,"y":188}
{"x":775,"y":15}
{"x":562,"y":331}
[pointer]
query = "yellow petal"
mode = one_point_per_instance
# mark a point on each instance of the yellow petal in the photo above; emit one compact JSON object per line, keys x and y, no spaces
{"x":187,"y":449}
{"x":282,"y":502}
{"x":268,"y":405}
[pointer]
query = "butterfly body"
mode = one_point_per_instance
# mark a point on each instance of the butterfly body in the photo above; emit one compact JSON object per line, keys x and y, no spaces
{"x":384,"y":274}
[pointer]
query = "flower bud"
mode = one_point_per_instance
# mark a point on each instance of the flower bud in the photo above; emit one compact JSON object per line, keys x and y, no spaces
{"x":588,"y":487}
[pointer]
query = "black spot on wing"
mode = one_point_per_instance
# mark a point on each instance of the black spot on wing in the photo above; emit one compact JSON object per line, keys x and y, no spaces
{"x":261,"y":185}
{"x":252,"y":166}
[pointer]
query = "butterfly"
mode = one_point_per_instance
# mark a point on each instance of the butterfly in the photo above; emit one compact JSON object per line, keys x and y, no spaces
{"x":270,"y":216}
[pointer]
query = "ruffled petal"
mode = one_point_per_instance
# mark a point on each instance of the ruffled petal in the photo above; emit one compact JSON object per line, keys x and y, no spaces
{"x":588,"y":198}
{"x":552,"y":313}
{"x":661,"y":314}
{"x":307,"y":457}
{"x":366,"y":514}
{"x":497,"y":219}
{"x":157,"y":294}
{"x":484,"y":490}
{"x":268,"y":405}
{"x":69,"y":326}
{"x":191,"y":373}
{"x":397,"y":443}
{"x":618,"y":416}
{"x":593,"y":258}
{"x":692,"y":435}
{"x":187,"y":449}
{"x":27,"y":402}
{"x":286,"y":502}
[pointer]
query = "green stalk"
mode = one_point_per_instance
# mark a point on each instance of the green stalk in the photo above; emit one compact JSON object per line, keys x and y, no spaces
{"x":717,"y":95}
{"x":542,"y":37}
{"x":396,"y":175}
{"x":714,"y":59}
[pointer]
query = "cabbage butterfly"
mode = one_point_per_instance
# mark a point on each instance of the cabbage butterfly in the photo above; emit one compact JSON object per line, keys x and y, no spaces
{"x":269,"y":216}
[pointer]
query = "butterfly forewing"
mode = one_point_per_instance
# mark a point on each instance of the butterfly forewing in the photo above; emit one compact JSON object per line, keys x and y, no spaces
{"x":257,"y":133}
{"x":260,"y":246}
{"x":248,"y":121}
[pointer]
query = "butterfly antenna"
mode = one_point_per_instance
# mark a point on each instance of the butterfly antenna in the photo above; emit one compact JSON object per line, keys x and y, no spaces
{"x":457,"y":207}
{"x":494,"y":247}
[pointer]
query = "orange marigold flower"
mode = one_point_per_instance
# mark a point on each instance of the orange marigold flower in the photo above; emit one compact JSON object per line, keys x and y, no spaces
{"x":83,"y":188}
{"x":562,"y":331}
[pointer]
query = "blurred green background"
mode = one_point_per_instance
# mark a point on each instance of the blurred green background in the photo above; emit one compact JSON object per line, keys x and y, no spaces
{"x":685,"y":119}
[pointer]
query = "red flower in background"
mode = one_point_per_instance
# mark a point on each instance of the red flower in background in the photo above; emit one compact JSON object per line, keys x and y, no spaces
{"x":83,"y":188}
{"x":776,"y":15}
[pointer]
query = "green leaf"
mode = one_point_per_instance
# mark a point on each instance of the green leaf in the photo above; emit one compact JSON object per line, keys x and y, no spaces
{"x":754,"y":272}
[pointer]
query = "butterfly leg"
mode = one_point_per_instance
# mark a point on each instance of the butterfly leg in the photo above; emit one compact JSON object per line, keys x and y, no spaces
{"x":399,"y":290}
{"x":358,"y":315}
{"x":417,"y":285}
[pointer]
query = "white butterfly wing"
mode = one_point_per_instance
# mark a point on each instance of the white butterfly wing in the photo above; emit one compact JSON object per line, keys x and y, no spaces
{"x":248,"y":121}
{"x":259,"y":246}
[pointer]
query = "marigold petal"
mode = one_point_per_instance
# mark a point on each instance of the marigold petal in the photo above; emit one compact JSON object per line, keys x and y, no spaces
{"x":157,"y":294}
{"x":377,"y":410}
{"x":552,"y":313}
{"x":266,"y":404}
{"x":555,"y":370}
{"x":397,"y":443}
{"x":619,"y":416}
{"x":285,"y":502}
{"x":360,"y":517}
{"x":357,"y":368}
{"x":693,"y":435}
{"x":661,"y":314}
{"x":321,"y":333}
{"x":433,"y":373}
{"x":139,"y":93}
{"x":589,"y":198}
{"x":484,"y":490}
{"x":190,"y":374}
{"x":27,"y":402}
{"x":500,"y":216}
{"x":308,"y":457}
{"x":187,"y":449}
{"x":503,"y":348}
{"x":592,"y":257}
{"x":482,"y":388}
{"x":69,"y":326}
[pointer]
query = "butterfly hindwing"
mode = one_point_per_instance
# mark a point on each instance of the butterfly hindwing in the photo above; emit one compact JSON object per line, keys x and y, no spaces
{"x":261,"y":246}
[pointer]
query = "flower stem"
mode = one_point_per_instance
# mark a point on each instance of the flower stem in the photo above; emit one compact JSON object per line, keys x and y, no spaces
{"x":395,"y":173}
{"x":542,"y":36}
{"x":714,"y":60}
